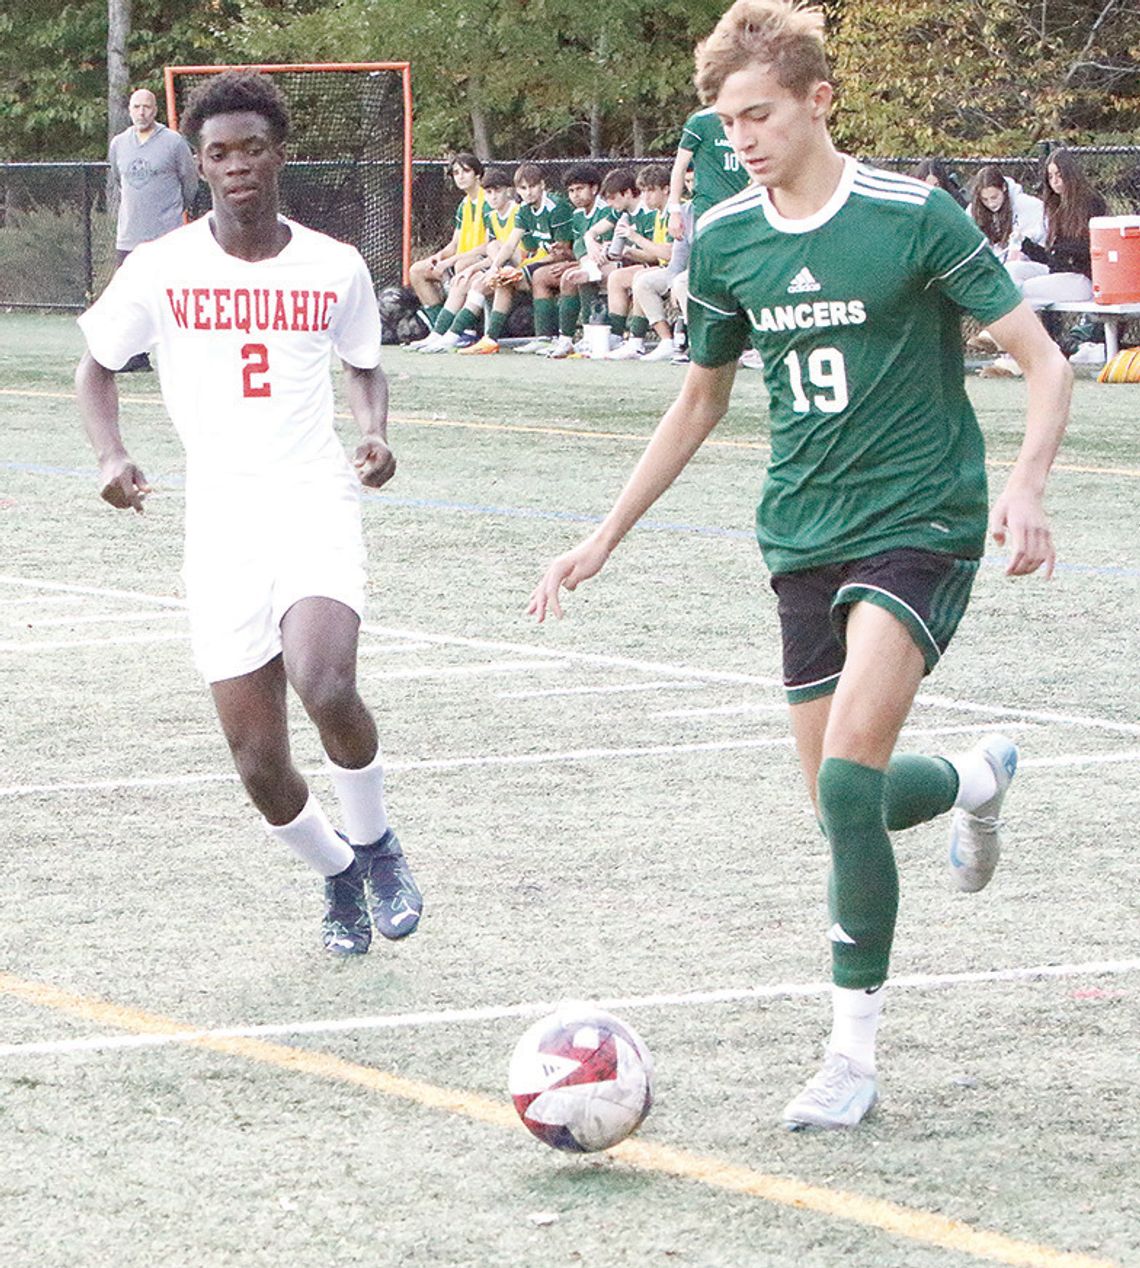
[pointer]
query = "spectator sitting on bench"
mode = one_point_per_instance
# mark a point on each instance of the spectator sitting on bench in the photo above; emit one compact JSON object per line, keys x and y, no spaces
{"x":648,"y":246}
{"x":539,"y":223}
{"x":593,"y":229}
{"x":464,"y":307}
{"x":427,"y":276}
{"x":582,"y":182}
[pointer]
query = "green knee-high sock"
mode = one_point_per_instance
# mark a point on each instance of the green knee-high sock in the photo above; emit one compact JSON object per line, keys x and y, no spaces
{"x":617,"y":323}
{"x":917,"y":789}
{"x":568,"y":309}
{"x":639,"y":327}
{"x":863,"y":890}
{"x":465,"y":320}
{"x":496,"y":324}
{"x":432,"y":312}
{"x":443,"y":321}
{"x":545,"y":318}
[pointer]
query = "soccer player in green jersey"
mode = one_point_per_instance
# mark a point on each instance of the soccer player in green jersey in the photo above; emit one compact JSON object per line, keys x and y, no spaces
{"x":849,"y":282}
{"x":716,"y":170}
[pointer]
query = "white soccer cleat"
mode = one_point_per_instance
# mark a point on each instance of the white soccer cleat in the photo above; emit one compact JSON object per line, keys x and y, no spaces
{"x":560,"y":349}
{"x":840,"y":1095}
{"x":975,"y":835}
{"x":628,"y":351}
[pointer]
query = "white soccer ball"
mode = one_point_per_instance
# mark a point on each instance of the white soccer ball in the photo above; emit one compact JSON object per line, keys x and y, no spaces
{"x":581,"y":1079}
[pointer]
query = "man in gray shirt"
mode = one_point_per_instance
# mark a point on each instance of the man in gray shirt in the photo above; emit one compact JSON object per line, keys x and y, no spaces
{"x":155,"y":174}
{"x":156,"y":179}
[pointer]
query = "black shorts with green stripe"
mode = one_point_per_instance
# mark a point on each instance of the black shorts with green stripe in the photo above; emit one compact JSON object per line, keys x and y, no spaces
{"x":926,"y":591}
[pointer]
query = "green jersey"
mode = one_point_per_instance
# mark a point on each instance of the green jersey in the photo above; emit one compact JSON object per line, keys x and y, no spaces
{"x":651,"y":224}
{"x":856,"y":313}
{"x":586,"y":218}
{"x":544,"y":225}
{"x":717,"y":173}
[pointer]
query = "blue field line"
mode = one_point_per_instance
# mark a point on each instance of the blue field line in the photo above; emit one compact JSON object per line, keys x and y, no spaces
{"x":531,"y":513}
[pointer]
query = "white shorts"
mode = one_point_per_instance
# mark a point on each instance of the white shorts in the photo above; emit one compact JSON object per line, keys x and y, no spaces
{"x":248,"y":562}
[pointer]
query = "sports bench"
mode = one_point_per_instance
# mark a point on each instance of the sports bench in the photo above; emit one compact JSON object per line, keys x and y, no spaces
{"x":1113,"y":317}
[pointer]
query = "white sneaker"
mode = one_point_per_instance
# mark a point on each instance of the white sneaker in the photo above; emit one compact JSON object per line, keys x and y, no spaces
{"x":444,"y":343}
{"x":417,"y":344}
{"x":1089,"y":354}
{"x":561,"y":348}
{"x":662,"y":352}
{"x":431,"y":344}
{"x":975,"y":839}
{"x":840,"y":1095}
{"x":1004,"y":367}
{"x":628,"y":351}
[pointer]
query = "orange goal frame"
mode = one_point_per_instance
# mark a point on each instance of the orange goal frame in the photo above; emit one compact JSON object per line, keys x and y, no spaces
{"x":405,"y":69}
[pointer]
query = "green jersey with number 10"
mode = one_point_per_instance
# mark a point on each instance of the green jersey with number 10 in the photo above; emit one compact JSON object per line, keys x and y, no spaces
{"x":717,"y":173}
{"x":856,"y":313}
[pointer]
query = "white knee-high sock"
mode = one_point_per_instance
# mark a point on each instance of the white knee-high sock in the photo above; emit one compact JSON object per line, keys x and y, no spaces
{"x":361,"y":796}
{"x":313,"y":839}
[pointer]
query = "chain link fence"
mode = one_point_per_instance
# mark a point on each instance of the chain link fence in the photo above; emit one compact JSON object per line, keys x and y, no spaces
{"x":57,"y":220}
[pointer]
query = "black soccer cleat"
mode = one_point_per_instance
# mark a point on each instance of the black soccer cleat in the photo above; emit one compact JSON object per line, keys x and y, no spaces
{"x":396,"y":901}
{"x":347,"y":928}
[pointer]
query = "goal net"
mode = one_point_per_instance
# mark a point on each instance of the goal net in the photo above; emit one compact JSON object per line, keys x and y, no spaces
{"x":349,"y":172}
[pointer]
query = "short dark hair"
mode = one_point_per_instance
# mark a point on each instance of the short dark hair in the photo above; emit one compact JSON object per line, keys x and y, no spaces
{"x":233,"y":92}
{"x":469,"y":161}
{"x":582,"y":174}
{"x":496,"y":178}
{"x":620,"y":181}
{"x":529,"y":174}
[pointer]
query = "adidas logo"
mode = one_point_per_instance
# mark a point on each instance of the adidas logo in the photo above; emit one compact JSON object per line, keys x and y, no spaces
{"x":803,"y":282}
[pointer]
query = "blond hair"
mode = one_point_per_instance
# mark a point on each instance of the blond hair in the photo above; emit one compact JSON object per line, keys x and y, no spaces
{"x":784,"y":35}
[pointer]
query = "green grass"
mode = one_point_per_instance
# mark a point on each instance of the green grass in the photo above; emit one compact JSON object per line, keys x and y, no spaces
{"x":1008,"y":1105}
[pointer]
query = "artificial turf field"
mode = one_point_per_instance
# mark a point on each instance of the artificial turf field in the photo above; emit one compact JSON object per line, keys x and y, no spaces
{"x":607,"y":808}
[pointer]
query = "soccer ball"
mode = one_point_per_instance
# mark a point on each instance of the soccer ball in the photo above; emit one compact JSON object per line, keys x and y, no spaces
{"x":581,"y":1079}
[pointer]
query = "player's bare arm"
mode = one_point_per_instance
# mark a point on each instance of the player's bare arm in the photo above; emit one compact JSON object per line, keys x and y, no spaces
{"x":121,"y":483}
{"x":701,"y":404}
{"x":367,"y":392}
{"x":1018,"y":516}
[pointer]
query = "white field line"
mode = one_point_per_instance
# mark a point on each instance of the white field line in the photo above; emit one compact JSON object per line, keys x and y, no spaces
{"x":473,"y":671}
{"x":533,"y":759}
{"x":721,"y":711}
{"x":37,"y":600}
{"x":613,"y":689}
{"x":459,"y":1016}
{"x":110,"y":618}
{"x":102,"y":592}
{"x":624,"y":662}
{"x":65,"y":644}
{"x":1068,"y":760}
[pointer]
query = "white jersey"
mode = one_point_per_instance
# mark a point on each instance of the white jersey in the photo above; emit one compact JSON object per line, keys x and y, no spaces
{"x":243,"y":347}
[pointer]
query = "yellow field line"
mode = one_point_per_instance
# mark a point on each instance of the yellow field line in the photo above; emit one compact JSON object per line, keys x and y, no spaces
{"x":581,"y":433}
{"x":900,"y":1221}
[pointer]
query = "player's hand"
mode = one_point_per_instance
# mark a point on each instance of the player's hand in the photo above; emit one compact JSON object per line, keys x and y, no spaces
{"x":124,"y":485}
{"x":578,"y":565}
{"x":1018,"y":519}
{"x":375,"y":463}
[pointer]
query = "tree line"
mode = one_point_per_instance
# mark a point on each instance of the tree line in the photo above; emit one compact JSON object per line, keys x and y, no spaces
{"x":547,"y":78}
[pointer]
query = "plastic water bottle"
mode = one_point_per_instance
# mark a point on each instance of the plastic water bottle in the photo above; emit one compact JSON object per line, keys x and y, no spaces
{"x":617,"y":244}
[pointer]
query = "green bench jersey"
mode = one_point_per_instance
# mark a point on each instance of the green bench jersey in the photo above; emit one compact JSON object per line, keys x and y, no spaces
{"x":717,"y":173}
{"x":856,"y":313}
{"x":651,"y":224}
{"x":585,"y":218}
{"x":544,"y":225}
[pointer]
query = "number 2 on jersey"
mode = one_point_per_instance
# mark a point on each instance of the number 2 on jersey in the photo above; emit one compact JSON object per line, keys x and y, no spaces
{"x":256,"y":358}
{"x":826,"y":371}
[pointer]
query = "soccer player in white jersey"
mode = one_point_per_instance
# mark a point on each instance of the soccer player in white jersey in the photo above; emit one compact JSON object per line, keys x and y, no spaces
{"x":849,"y":283}
{"x":244,"y":308}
